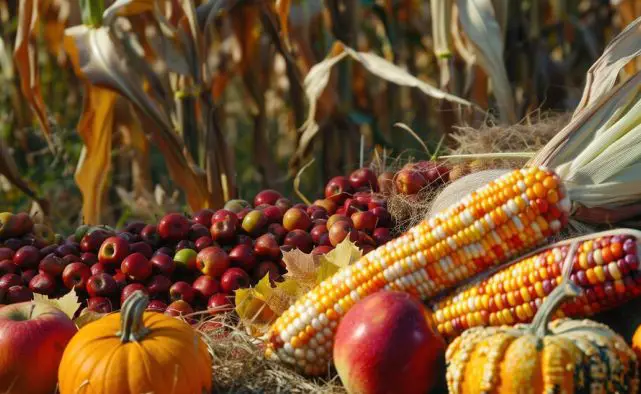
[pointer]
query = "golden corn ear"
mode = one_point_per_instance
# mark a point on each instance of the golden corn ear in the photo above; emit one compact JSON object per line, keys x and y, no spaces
{"x":606,"y":267}
{"x":506,"y":217}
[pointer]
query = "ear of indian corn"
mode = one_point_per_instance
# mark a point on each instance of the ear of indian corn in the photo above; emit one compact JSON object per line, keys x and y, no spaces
{"x":605,"y":265}
{"x":503,"y":219}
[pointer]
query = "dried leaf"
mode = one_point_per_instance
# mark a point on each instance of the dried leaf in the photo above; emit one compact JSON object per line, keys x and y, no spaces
{"x":26,"y":60}
{"x":345,"y":253}
{"x":284,"y":296}
{"x":301,"y":267}
{"x":480,"y":25}
{"x":68,"y":304}
{"x":602,"y":75}
{"x":96,"y":130}
{"x":252,"y":307}
{"x":282,"y":9}
{"x":9,"y":170}
{"x":318,"y":77}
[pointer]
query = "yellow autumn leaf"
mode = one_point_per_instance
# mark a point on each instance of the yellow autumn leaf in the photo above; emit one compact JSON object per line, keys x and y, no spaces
{"x":252,"y":307}
{"x":69,"y":303}
{"x":301,"y":267}
{"x":284,"y":295}
{"x":344,"y":254}
{"x":326,"y":270}
{"x":86,"y":317}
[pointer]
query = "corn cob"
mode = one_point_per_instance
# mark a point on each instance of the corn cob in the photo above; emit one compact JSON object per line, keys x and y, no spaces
{"x":605,"y":265}
{"x":505,"y":218}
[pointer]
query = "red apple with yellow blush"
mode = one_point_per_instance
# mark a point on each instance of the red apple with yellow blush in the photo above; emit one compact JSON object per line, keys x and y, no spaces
{"x":386,"y":344}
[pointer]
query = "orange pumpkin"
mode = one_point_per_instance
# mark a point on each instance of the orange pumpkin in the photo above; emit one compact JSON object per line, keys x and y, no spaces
{"x":136,"y":351}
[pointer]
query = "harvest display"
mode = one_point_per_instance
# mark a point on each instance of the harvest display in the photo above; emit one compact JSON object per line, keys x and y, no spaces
{"x":489,"y":293}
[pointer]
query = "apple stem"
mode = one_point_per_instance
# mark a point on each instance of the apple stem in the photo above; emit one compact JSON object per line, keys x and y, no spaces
{"x":566,"y":289}
{"x":132,"y":328}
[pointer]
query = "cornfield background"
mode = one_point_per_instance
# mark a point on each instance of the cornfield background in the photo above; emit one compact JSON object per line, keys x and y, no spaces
{"x":117,"y":110}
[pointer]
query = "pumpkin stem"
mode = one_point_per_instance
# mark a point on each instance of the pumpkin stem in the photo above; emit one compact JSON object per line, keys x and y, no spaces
{"x":132,"y":328}
{"x":564,"y":290}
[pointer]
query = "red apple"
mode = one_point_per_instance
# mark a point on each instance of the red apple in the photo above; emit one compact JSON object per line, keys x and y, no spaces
{"x":203,"y":242}
{"x":27,"y":257}
{"x":7,"y":267}
{"x":341,"y":230}
{"x":273,"y":214}
{"x":76,"y":275}
{"x":364,"y":221}
{"x":162,"y":264}
{"x":223,"y":231}
{"x":179,"y":308}
{"x":6,"y":254}
{"x":242,"y":256}
{"x":381,"y":236}
{"x":319,"y":234}
{"x":203,"y":217}
{"x":99,"y":304}
{"x":338,"y":189}
{"x":66,"y":249}
{"x":130,"y":289}
{"x":365,"y":249}
{"x":241,"y":215}
{"x":143,"y":248}
{"x":158,"y":286}
{"x":92,"y":241}
{"x":383,"y":215}
{"x":120,"y":279}
{"x":52,"y":265}
{"x":101,"y":285}
{"x":225,"y":215}
{"x":186,"y":259}
{"x":268,"y":196}
{"x":376,"y":202}
{"x":266,"y":247}
{"x":328,"y":205}
{"x":264,"y":268}
{"x":363,"y":178}
{"x":89,"y":258}
{"x":338,"y":218}
{"x":322,"y":249}
{"x":185,"y":244}
{"x":173,"y":227}
{"x":182,"y":291}
{"x":16,"y":294}
{"x":299,"y":239}
{"x":385,"y":344}
{"x":409,"y":181}
{"x":296,"y":218}
{"x":27,"y":276}
{"x":136,"y":267}
{"x":254,"y":222}
{"x":212,"y":261}
{"x":43,"y":284}
{"x":165,"y":250}
{"x":278,"y":231}
{"x":8,"y":280}
{"x":33,"y":337}
{"x":13,"y":244}
{"x":113,"y":251}
{"x":242,"y":239}
{"x":205,"y":286}
{"x":100,"y":268}
{"x":150,"y":235}
{"x":219,"y":303}
{"x":283,"y":204}
{"x":71,"y":258}
{"x":316,"y":212}
{"x":135,"y":227}
{"x":234,"y":278}
{"x":157,"y":306}
{"x":197,"y":230}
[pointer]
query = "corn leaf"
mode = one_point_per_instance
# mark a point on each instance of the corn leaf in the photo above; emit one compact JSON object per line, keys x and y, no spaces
{"x":26,"y":60}
{"x":602,"y":75}
{"x":68,"y":304}
{"x":482,"y":29}
{"x":441,"y":12}
{"x":326,"y":270}
{"x":318,"y":77}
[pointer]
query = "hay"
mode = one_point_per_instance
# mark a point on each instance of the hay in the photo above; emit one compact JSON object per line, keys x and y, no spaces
{"x":239,"y":366}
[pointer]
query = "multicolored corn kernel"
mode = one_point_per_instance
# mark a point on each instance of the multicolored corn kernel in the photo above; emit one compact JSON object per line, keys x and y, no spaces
{"x":491,"y":225}
{"x":606,"y":267}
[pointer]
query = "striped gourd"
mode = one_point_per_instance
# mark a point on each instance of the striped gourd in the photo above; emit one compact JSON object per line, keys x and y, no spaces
{"x":605,"y":265}
{"x":501,"y":220}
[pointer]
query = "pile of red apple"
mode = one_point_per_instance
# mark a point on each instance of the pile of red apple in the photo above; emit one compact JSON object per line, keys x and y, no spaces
{"x":189,"y":263}
{"x":414,"y":177}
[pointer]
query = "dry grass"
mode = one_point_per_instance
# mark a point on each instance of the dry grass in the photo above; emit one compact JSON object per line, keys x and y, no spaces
{"x":239,"y":365}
